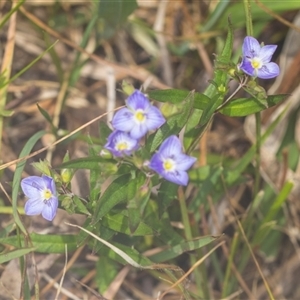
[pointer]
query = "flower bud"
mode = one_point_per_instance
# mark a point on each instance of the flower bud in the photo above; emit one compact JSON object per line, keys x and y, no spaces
{"x":106,"y":154}
{"x":66,"y":175}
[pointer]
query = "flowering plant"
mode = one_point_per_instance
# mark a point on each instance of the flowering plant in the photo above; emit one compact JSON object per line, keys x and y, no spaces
{"x":145,"y":159}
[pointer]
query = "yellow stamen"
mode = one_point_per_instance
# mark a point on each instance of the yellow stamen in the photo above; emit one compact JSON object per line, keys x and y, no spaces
{"x":140,"y":116}
{"x":168,"y":165}
{"x":122,"y":146}
{"x":256,"y":64}
{"x":47,"y":194}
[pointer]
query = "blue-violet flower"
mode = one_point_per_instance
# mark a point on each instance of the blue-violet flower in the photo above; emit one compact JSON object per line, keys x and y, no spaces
{"x":256,"y":59}
{"x":41,"y":192}
{"x":138,"y":117}
{"x":170,"y":162}
{"x":119,"y":143}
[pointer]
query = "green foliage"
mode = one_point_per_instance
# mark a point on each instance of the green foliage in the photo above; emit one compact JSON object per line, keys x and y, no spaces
{"x":128,"y":208}
{"x":112,"y":15}
{"x":44,"y":243}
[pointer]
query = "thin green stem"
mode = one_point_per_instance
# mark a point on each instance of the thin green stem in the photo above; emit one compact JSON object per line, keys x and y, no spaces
{"x":257,"y":158}
{"x":200,"y":273}
{"x":249,"y":27}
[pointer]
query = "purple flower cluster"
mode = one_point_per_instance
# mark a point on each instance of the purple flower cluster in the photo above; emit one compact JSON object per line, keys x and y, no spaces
{"x":132,"y":123}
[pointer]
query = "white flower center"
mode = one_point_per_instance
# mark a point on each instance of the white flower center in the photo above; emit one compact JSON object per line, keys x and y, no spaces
{"x":256,"y":63}
{"x":140,"y":116}
{"x":169,"y":165}
{"x":47,"y":194}
{"x":121,"y":146}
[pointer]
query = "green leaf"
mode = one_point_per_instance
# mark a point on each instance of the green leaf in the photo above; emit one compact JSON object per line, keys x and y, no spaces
{"x":246,"y":106}
{"x":7,"y":230}
{"x":45,"y":243}
{"x":134,"y":202}
{"x":6,"y":113}
{"x":42,"y":166}
{"x":4,"y":257}
{"x":208,"y":185}
{"x":104,"y":279}
{"x":173,"y":125}
{"x":166,"y":195}
{"x":162,"y":226}
{"x":177,"y":250}
{"x":270,"y":219}
{"x":236,"y":11}
{"x":112,"y":14}
{"x":210,"y":109}
{"x":178,"y":96}
{"x":137,"y":257}
{"x":114,"y":194}
{"x":47,"y":117}
{"x":90,"y":163}
{"x":119,"y":222}
{"x":104,"y":132}
{"x":7,"y":16}
{"x":134,"y":219}
{"x":80,"y":206}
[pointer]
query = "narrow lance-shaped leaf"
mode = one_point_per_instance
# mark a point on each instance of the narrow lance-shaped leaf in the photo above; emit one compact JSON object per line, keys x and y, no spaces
{"x":246,"y":106}
{"x":177,"y":250}
{"x":114,"y":194}
{"x":4,"y":257}
{"x":45,"y":243}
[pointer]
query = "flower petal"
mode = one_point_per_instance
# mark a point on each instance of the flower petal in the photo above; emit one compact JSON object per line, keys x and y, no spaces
{"x":251,"y":47}
{"x":269,"y":70}
{"x":34,"y":207}
{"x":247,"y":68}
{"x":118,"y":137}
{"x":178,"y":177}
{"x":32,"y":186}
{"x":50,"y":209}
{"x":123,"y":120}
{"x":184,"y":162}
{"x":266,"y":53}
{"x":154,"y":118}
{"x":137,"y":100}
{"x":171,"y":147}
{"x":49,"y":184}
{"x":139,"y":130}
{"x":156,"y":164}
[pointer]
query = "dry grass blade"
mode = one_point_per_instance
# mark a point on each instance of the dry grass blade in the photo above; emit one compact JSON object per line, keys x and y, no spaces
{"x":63,"y":272}
{"x":56,"y":142}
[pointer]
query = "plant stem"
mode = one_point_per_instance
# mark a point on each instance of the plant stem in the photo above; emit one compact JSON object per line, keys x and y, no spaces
{"x":249,"y":27}
{"x":257,"y":158}
{"x":200,"y":273}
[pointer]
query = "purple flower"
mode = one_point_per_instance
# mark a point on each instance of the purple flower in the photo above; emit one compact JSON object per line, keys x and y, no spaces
{"x":170,"y":162}
{"x":120,"y":143}
{"x":41,"y":192}
{"x":256,"y":59}
{"x":138,"y":117}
